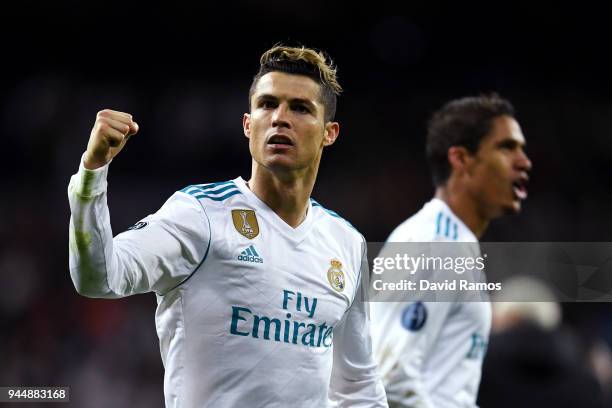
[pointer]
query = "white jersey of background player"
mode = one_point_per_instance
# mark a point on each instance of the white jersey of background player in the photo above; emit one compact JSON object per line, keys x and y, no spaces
{"x":430,"y":353}
{"x":256,"y":283}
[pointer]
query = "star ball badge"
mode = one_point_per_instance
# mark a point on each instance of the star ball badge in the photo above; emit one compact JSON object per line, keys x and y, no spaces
{"x":335,"y":276}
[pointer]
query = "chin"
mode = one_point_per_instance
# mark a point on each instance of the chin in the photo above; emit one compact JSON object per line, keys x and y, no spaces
{"x":512,"y":209}
{"x":281,"y":164}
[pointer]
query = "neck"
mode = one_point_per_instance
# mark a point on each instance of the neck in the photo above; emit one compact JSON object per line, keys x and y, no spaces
{"x":464,"y":207}
{"x":286,"y":193}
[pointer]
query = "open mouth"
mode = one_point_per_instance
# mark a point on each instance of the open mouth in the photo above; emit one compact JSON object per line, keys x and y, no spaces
{"x":519,"y":187}
{"x":280,"y":141}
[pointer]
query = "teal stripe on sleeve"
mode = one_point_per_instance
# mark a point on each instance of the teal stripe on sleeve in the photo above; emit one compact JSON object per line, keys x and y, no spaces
{"x":332,"y":213}
{"x":221,"y":198}
{"x":220,"y":190}
{"x":203,"y":188}
{"x":213,"y":185}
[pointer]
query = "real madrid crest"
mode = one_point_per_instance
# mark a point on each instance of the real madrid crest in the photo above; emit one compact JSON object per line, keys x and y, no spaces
{"x":335,"y":276}
{"x":245,"y":222}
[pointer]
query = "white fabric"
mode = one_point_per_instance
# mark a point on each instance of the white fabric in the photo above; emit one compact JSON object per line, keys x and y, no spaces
{"x":241,"y":322}
{"x":439,"y":364}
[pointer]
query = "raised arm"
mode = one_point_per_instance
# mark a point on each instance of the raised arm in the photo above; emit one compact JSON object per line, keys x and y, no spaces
{"x":158,"y":255}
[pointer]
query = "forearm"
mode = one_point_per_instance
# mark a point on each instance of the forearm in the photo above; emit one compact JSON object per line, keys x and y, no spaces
{"x":355,"y":381}
{"x":90,"y":250}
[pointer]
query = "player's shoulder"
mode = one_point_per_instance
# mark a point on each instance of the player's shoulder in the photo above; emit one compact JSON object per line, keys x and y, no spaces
{"x":332,"y":222}
{"x":187,"y":208}
{"x":215,"y":194}
{"x":434,"y":222}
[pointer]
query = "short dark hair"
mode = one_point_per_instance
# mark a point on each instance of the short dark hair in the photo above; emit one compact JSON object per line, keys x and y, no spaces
{"x":461,"y":122}
{"x":303,"y":61}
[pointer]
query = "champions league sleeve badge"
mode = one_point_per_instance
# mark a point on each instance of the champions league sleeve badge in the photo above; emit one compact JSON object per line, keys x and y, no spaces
{"x":414,"y":316}
{"x":335,"y":276}
{"x":245,"y":222}
{"x":138,"y":225}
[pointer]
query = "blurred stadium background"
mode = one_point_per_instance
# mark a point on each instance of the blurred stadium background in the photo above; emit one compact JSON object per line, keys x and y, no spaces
{"x":183,"y":70}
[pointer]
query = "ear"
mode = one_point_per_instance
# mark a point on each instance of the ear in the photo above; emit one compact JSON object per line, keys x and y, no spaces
{"x":246,"y":125}
{"x":332,"y":129}
{"x":460,"y":159}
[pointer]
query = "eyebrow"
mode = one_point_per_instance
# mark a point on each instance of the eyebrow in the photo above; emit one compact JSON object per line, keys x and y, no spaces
{"x":269,"y":97}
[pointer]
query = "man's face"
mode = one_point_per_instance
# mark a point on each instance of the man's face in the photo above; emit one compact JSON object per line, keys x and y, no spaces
{"x":286,"y":127}
{"x":498,"y":172}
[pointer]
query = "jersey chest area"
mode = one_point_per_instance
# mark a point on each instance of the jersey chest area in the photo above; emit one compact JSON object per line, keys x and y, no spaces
{"x":473,"y":321}
{"x":257,"y":282}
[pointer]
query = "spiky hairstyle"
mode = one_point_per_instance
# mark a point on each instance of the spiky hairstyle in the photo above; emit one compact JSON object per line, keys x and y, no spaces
{"x":303,"y":61}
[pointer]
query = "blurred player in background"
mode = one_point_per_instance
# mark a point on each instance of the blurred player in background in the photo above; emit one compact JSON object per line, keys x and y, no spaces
{"x":430,"y":353}
{"x":255,"y":281}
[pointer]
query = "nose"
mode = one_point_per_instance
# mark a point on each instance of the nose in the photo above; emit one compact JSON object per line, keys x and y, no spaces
{"x":523,"y":163}
{"x":280,"y":116}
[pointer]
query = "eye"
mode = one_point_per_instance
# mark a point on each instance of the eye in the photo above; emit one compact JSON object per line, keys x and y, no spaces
{"x":508,"y":145}
{"x":267,"y":104}
{"x":301,"y":108}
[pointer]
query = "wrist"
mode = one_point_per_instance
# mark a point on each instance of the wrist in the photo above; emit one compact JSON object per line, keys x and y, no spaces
{"x":92,"y":164}
{"x":89,"y":182}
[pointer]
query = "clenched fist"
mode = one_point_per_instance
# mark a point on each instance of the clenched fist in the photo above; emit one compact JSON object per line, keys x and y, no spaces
{"x":110,"y":132}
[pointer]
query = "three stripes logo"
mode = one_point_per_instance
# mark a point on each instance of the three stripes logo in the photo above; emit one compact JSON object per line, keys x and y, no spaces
{"x":446,"y":227}
{"x":250,"y":255}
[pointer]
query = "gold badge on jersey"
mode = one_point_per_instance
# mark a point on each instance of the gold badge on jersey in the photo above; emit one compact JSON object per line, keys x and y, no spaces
{"x":245,"y":222}
{"x":335,"y":276}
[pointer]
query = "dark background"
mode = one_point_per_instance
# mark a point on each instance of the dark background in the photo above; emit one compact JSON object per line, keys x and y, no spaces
{"x":183,"y":70}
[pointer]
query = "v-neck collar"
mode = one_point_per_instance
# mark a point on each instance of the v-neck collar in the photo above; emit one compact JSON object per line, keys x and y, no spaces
{"x":296,"y":234}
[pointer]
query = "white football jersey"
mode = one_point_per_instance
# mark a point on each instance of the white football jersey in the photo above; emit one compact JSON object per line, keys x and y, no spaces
{"x":251,"y":312}
{"x":430,"y":353}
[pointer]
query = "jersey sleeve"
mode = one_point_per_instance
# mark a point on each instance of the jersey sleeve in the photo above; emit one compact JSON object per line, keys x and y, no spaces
{"x":355,"y":380}
{"x":157,"y":254}
{"x":421,"y":318}
{"x":404,"y":380}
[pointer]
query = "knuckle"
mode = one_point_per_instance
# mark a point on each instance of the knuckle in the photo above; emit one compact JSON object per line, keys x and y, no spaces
{"x":103,"y":126}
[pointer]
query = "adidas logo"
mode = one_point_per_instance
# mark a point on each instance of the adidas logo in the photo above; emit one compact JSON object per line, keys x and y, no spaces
{"x":250,"y":255}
